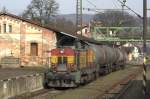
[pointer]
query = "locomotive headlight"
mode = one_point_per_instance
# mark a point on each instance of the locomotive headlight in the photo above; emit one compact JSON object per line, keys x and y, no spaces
{"x":62,"y":51}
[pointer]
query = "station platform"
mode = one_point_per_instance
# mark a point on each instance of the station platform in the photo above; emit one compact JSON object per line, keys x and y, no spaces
{"x":17,"y":81}
{"x":6,"y":73}
{"x":136,"y":92}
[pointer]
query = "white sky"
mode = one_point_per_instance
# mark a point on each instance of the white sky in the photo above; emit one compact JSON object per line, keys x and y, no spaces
{"x":68,"y":6}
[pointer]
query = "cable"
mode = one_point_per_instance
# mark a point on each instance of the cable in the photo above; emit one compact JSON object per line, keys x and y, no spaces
{"x":131,"y":10}
{"x":90,"y":9}
{"x":96,"y":9}
{"x":116,"y":4}
{"x":91,"y":3}
{"x":122,"y":4}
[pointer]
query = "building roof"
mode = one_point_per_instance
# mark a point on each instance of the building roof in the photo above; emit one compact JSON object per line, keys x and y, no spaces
{"x":55,"y":30}
{"x":81,"y":38}
{"x":26,"y":20}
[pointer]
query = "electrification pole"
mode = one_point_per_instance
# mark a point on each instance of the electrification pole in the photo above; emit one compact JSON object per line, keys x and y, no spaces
{"x":123,"y":5}
{"x":79,"y":16}
{"x":144,"y":46}
{"x":78,"y":28}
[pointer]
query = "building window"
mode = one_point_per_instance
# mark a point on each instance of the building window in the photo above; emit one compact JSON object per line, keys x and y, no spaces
{"x":10,"y":28}
{"x":86,"y":31}
{"x":34,"y":49}
{"x":4,"y":28}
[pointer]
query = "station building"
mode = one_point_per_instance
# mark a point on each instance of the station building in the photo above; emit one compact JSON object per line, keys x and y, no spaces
{"x":26,"y":40}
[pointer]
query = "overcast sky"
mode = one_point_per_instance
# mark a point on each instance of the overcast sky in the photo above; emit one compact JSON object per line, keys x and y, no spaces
{"x":68,"y":6}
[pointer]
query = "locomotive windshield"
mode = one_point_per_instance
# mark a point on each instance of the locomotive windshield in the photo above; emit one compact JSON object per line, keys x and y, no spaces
{"x":62,"y":64}
{"x":62,"y":60}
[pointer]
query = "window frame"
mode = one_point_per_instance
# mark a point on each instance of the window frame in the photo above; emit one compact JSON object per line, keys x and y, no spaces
{"x":10,"y":28}
{"x":32,"y":53}
{"x":0,"y":28}
{"x":4,"y":28}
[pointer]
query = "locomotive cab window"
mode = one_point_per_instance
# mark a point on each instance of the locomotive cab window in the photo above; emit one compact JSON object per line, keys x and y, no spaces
{"x":62,"y":60}
{"x":34,"y":49}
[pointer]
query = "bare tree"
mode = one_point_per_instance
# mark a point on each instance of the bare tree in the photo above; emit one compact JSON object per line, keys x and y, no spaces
{"x":65,"y":25}
{"x":4,"y":9}
{"x":116,"y":18}
{"x":42,"y":11}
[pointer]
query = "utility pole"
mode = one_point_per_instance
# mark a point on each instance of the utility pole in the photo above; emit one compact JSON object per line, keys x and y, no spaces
{"x":144,"y":46}
{"x":79,"y":16}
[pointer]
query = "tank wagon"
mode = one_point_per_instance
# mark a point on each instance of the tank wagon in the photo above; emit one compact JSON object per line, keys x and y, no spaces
{"x":71,"y":66}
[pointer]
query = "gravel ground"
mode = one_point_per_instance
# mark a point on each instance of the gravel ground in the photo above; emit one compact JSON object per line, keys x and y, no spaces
{"x":92,"y":90}
{"x":11,"y":73}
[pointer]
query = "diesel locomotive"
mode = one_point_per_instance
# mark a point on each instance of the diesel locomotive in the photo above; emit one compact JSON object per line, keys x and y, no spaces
{"x":73,"y":66}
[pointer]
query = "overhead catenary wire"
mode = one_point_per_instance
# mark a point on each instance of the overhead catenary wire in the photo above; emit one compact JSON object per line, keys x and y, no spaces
{"x":92,"y":4}
{"x":95,"y":9}
{"x":116,"y":5}
{"x":131,"y":9}
{"x":122,"y":4}
{"x":99,"y":10}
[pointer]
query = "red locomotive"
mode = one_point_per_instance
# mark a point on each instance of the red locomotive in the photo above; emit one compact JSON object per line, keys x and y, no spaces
{"x":71,"y":66}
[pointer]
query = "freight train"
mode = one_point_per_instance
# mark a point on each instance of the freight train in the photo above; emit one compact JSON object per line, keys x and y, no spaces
{"x":73,"y":66}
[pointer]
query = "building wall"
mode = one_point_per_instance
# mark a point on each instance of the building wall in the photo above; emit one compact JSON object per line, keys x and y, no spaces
{"x":18,"y":42}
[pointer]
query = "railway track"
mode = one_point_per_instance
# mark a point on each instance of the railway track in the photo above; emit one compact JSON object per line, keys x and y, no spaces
{"x":100,"y":89}
{"x":118,"y":89}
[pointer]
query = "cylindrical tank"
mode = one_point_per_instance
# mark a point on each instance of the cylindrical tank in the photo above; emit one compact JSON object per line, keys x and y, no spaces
{"x":100,"y":57}
{"x":104,"y":54}
{"x":107,"y":55}
{"x":110,"y":54}
{"x":122,"y":56}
